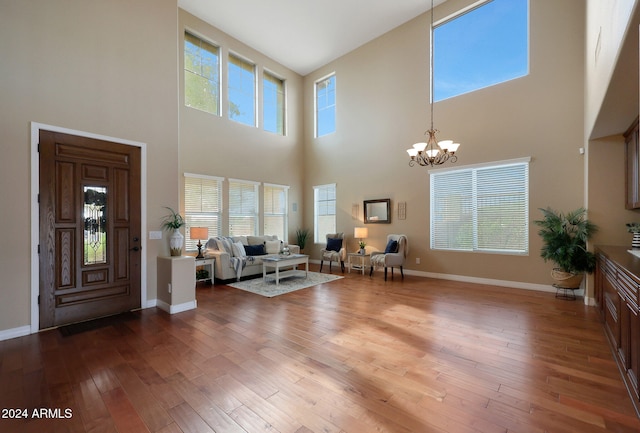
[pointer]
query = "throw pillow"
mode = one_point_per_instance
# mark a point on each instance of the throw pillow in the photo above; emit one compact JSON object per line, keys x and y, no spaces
{"x":272,"y":247}
{"x":392,"y":247}
{"x":334,"y":244}
{"x":238,"y":249}
{"x":254,"y":250}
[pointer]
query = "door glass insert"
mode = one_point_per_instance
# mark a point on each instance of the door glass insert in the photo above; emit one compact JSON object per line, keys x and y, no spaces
{"x":95,"y":225}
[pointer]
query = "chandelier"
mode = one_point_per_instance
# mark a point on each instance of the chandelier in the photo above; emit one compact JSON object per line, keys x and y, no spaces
{"x":432,"y":152}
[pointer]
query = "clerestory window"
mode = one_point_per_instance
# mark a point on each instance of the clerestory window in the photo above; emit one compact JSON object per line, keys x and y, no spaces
{"x":480,"y":47}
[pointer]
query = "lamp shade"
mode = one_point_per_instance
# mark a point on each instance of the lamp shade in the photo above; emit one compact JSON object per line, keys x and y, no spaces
{"x":360,"y":232}
{"x":199,"y":233}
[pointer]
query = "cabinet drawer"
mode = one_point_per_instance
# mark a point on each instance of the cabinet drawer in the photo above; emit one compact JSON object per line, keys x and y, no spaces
{"x":628,"y":289}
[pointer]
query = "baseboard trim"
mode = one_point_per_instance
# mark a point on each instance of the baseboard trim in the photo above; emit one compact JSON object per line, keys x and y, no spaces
{"x":21,"y":331}
{"x":485,"y":281}
{"x":179,"y":308}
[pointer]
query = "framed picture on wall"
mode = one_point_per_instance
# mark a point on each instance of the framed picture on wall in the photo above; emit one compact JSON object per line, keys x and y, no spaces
{"x":377,"y":211}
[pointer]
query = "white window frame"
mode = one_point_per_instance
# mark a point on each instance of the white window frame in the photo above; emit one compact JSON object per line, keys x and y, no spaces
{"x":218,"y":83}
{"x":317,"y":108}
{"x":248,"y":209}
{"x":458,"y":14}
{"x":254,"y":87}
{"x":319,"y":204}
{"x":456,"y":197}
{"x":283,"y":213}
{"x":197,"y":215}
{"x":281,"y":102}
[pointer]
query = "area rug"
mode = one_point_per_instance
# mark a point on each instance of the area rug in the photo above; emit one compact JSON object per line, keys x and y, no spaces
{"x":290,"y":284}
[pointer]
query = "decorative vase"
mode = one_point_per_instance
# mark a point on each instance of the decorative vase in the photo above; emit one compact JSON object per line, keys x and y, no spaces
{"x":176,"y":241}
{"x":635,"y":242}
{"x":362,"y":251}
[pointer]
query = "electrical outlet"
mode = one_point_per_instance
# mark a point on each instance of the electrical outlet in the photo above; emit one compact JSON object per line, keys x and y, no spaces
{"x":417,"y":260}
{"x":169,"y":287}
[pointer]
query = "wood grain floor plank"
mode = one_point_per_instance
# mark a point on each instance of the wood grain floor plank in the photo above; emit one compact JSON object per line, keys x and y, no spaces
{"x":355,"y":355}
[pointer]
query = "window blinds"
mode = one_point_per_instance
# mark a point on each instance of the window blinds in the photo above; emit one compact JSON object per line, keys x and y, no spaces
{"x":275,"y":210}
{"x":243,"y":208}
{"x":483,"y":208}
{"x":202,"y":205}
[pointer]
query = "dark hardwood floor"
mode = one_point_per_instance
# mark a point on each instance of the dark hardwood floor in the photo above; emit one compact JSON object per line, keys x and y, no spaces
{"x":356,"y":355}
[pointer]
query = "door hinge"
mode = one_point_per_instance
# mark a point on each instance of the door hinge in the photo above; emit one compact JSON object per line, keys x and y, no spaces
{"x":38,"y":147}
{"x":38,"y":248}
{"x":38,"y":299}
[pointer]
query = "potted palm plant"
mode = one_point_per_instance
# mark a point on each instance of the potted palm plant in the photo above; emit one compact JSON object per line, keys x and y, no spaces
{"x":564,"y":238}
{"x":173,"y":222}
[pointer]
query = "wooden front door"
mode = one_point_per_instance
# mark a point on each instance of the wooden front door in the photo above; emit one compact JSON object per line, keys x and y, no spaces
{"x":89,"y":228}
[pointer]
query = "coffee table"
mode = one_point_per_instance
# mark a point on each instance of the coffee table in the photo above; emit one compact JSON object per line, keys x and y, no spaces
{"x":282,"y":261}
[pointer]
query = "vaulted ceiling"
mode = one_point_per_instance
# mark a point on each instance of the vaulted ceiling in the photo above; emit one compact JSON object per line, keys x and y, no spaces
{"x":301,"y":34}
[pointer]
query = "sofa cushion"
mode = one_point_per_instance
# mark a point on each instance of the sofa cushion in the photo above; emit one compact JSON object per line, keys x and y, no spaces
{"x":334,"y":244}
{"x":241,"y":239}
{"x":272,"y":247}
{"x":255,"y":250}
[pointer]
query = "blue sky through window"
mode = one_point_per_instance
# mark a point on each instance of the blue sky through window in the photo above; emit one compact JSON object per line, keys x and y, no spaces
{"x":485,"y":46}
{"x":326,"y":106}
{"x":242,"y":88}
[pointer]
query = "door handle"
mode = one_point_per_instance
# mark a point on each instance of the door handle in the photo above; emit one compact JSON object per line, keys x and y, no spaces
{"x":135,"y":249}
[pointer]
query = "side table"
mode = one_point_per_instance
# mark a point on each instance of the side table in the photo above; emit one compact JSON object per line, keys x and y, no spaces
{"x":205,"y":265}
{"x":361,"y":265}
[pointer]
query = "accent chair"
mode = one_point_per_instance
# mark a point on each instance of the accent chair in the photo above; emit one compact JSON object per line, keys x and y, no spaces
{"x":334,"y":251}
{"x":393,"y":256}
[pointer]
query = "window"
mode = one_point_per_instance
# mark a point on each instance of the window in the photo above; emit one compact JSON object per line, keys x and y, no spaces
{"x":324,"y":212}
{"x":273,"y":101}
{"x":481,"y":47}
{"x":276,"y":210}
{"x":325,"y":96}
{"x":243,"y":208}
{"x":242,"y":91}
{"x":201,"y":74}
{"x":483,"y":208}
{"x":202,"y":205}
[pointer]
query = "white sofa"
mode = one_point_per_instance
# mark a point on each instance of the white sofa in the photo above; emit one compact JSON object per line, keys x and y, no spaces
{"x":232,"y":262}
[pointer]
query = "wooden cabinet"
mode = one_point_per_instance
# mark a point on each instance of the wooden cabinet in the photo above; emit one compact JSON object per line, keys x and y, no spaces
{"x":617,"y":295}
{"x":632,"y":161}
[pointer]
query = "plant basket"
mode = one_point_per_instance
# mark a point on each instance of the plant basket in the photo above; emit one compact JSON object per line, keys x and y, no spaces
{"x":566,"y":280}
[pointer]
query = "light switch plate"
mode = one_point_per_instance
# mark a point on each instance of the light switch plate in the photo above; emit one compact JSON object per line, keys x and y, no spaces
{"x":155,"y":235}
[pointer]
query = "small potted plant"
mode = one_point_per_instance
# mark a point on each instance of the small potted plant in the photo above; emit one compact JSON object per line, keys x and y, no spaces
{"x":301,"y":237}
{"x":172,"y":223}
{"x":635,"y":229}
{"x":564,"y":239}
{"x":362,"y":244}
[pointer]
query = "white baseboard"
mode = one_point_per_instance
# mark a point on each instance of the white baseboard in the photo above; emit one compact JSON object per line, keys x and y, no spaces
{"x":179,"y":308}
{"x":150,"y":303}
{"x":486,"y":281}
{"x":21,"y":331}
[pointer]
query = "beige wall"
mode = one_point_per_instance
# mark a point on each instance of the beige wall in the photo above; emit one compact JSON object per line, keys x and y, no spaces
{"x":114,"y":68}
{"x":105,"y":67}
{"x":217,"y":146}
{"x":382,"y":106}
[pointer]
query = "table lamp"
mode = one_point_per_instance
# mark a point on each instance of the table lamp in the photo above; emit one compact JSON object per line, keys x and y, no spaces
{"x":199,"y":233}
{"x":361,"y":233}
